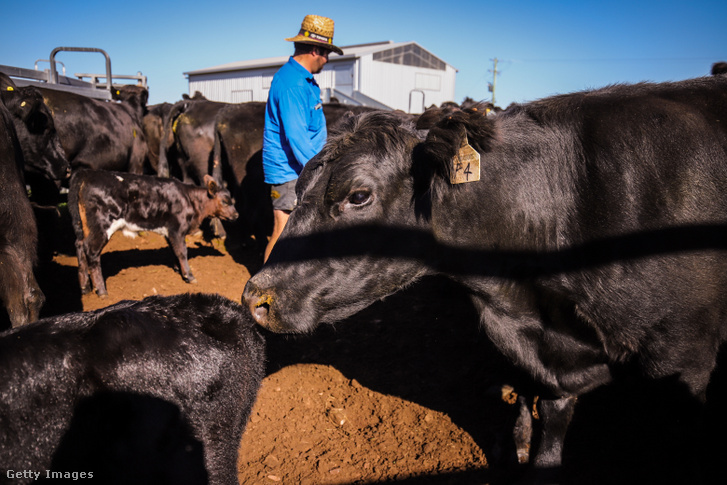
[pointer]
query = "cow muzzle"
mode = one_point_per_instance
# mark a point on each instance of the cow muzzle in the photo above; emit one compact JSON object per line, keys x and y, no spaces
{"x":260,"y":304}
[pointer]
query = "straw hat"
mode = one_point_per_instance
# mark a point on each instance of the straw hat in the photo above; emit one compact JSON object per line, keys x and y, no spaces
{"x":316,"y":30}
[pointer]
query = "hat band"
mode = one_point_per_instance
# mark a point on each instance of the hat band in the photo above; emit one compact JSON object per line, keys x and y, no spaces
{"x":314,"y":36}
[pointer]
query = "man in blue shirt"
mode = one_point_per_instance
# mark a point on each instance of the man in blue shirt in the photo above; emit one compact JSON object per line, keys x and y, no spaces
{"x":295,"y":127}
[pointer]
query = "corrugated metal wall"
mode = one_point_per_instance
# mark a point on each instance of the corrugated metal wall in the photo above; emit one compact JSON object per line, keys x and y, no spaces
{"x":233,"y":87}
{"x":253,"y":85}
{"x":407,"y":88}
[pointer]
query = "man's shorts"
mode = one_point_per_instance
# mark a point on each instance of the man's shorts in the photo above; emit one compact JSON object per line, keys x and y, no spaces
{"x":283,"y":196}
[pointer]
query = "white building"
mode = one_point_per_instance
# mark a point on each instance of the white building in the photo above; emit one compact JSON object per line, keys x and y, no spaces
{"x":387,"y":75}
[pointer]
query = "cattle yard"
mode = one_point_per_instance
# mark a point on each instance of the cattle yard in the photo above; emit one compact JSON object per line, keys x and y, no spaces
{"x":408,"y":390}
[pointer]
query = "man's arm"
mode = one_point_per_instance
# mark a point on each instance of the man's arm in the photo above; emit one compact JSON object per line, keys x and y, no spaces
{"x":293,"y":105}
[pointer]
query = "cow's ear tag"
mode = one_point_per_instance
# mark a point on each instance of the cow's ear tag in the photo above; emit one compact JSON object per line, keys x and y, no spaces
{"x":465,"y":164}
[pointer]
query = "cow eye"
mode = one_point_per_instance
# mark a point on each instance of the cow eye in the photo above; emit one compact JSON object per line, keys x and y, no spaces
{"x":359,"y":197}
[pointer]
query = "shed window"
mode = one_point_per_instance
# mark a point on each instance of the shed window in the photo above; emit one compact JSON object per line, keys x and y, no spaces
{"x":410,"y":55}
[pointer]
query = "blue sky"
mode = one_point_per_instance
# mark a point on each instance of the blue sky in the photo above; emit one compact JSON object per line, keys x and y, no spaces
{"x":543,"y":47}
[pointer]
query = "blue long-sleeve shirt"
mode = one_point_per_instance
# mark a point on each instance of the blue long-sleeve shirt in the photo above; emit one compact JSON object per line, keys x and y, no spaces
{"x":295,"y":127}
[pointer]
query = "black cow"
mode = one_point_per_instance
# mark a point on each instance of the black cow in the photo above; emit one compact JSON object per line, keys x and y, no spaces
{"x":594,"y":240}
{"x":102,"y":202}
{"x":36,"y":131}
{"x":238,"y":135}
{"x":153,"y":126}
{"x":188,"y":139}
{"x":99,"y":134}
{"x":152,"y":391}
{"x":237,"y":160}
{"x":27,"y":140}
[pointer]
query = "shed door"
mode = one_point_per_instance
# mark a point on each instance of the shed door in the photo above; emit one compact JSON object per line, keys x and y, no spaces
{"x":416,"y":101}
{"x":343,"y":79}
{"x":242,"y":96}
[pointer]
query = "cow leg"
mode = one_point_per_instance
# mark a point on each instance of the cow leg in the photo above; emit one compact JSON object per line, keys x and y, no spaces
{"x":221,"y":451}
{"x":93,"y":245}
{"x":179,"y":246}
{"x":138,"y":155}
{"x":554,"y":417}
{"x":19,"y":290}
{"x":218,"y":230}
{"x":83,"y":280}
{"x":523,"y":430}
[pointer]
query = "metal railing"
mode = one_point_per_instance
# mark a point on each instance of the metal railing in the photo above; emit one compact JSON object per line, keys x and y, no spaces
{"x":54,"y":73}
{"x":49,"y":78}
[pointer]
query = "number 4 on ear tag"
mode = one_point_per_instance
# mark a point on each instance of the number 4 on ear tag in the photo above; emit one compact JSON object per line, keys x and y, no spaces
{"x":465,"y":165}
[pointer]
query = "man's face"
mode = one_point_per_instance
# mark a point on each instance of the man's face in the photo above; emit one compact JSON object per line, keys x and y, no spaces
{"x":321,"y":57}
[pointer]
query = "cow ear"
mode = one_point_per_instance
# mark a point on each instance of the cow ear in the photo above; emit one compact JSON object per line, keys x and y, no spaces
{"x":447,"y":136}
{"x":433,"y":158}
{"x":6,"y":83}
{"x":212,"y":185}
{"x":24,"y":105}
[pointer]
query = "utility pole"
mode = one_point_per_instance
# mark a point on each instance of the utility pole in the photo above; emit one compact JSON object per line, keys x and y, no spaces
{"x":491,"y":86}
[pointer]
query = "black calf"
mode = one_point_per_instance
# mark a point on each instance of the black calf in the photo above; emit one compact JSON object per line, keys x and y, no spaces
{"x":151,"y":391}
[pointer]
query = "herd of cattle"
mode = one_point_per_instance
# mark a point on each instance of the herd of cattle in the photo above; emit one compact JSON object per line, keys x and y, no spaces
{"x":593,"y":241}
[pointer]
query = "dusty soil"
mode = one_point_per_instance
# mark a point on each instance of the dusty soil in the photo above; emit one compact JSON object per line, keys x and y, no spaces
{"x":407,"y":391}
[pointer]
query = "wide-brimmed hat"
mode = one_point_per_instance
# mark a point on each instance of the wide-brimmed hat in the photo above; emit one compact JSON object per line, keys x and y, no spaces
{"x":316,"y":30}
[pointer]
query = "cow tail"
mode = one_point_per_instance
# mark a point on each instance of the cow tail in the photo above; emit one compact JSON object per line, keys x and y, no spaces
{"x":73,"y":204}
{"x":139,"y":150}
{"x":167,"y":138}
{"x":217,"y":153}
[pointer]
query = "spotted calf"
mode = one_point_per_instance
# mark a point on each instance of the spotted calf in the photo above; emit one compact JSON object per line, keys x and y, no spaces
{"x":103,"y":202}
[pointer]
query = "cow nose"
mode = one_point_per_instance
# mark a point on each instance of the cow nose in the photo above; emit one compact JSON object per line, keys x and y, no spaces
{"x":260,"y":309}
{"x":258,"y":303}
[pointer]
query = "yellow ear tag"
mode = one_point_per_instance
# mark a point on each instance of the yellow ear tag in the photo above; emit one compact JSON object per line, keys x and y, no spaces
{"x":22,"y":104}
{"x":134,"y":132}
{"x":465,"y":165}
{"x":10,"y":88}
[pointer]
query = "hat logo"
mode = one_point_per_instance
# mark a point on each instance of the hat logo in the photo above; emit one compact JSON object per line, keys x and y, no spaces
{"x":314,"y":36}
{"x":316,"y":30}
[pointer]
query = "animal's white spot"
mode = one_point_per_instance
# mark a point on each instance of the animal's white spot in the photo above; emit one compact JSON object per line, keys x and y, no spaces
{"x":130,"y":229}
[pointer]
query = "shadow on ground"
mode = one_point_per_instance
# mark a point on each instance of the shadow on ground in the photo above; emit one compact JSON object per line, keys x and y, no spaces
{"x":423,"y":345}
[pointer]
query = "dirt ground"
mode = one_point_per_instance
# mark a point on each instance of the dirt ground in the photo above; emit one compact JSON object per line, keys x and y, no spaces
{"x":407,"y":391}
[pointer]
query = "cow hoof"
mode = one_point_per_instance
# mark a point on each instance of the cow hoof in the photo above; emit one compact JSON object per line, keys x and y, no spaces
{"x":103,"y":296}
{"x":192,"y":280}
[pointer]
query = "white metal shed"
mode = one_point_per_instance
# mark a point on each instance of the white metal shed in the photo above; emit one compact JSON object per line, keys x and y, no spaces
{"x":387,"y":75}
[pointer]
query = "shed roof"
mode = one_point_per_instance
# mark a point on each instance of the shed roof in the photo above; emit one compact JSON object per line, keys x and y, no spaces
{"x":349,"y":52}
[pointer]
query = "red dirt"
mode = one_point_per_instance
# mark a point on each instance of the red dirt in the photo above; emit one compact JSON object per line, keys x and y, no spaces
{"x":406,"y":391}
{"x":313,"y":421}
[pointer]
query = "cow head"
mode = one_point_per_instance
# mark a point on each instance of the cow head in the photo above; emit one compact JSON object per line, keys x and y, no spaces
{"x":135,"y":97}
{"x":223,"y":203}
{"x":354,"y":237}
{"x":36,"y":131}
